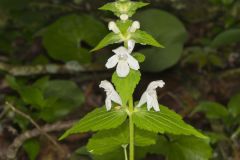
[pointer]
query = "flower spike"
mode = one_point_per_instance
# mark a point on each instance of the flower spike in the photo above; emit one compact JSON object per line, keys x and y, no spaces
{"x":150,"y":96}
{"x":112,"y":95}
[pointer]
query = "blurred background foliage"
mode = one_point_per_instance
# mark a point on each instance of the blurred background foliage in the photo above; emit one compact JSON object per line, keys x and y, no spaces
{"x":48,"y":72}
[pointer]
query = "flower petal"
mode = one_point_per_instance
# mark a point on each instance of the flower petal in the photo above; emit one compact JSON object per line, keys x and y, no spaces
{"x":155,"y":104}
{"x":120,"y":50}
{"x":108,"y":103}
{"x":122,"y":68}
{"x":133,"y":63}
{"x":143,"y":99}
{"x":112,"y":61}
{"x":116,"y":98}
{"x":106,"y":85}
{"x":153,"y":85}
{"x":131,"y":45}
{"x":113,"y":27}
{"x":149,"y":102}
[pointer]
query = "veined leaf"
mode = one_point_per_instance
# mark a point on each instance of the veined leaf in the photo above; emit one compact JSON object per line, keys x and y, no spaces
{"x":125,"y":86}
{"x":145,"y":38}
{"x":212,"y":110}
{"x":181,"y":148}
{"x":109,"y":140}
{"x":108,"y":39}
{"x":165,"y":121}
{"x":99,"y":119}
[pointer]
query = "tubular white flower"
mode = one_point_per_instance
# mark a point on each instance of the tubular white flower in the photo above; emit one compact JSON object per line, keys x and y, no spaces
{"x":124,"y":17}
{"x":150,"y":96}
{"x":113,"y":27}
{"x":135,"y":26}
{"x":112,"y":95}
{"x":123,"y":60}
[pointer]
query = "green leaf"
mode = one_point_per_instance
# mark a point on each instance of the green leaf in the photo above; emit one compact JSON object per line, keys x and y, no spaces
{"x":109,"y":140}
{"x":213,"y":110}
{"x":32,"y":95}
{"x":114,"y":155}
{"x":12,"y":82}
{"x":62,"y":39}
{"x":145,"y":38}
{"x":182,"y":148}
{"x":59,"y":100}
{"x":168,"y":30}
{"x":32,"y":147}
{"x":99,"y":119}
{"x":234,"y":105}
{"x":139,"y":57}
{"x":227,"y":37}
{"x":165,"y":121}
{"x":108,"y":39}
{"x":127,"y":7}
{"x":126,"y":86}
{"x":144,"y":138}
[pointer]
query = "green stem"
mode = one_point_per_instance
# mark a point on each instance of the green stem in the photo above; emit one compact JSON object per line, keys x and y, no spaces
{"x":131,"y":131}
{"x":125,"y":151}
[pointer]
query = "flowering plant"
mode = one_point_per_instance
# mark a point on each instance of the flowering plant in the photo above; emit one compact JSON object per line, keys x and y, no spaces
{"x":125,"y":123}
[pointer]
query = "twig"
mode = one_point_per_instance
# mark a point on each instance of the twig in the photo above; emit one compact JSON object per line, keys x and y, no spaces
{"x":231,"y":72}
{"x":26,"y":70}
{"x":12,"y":151}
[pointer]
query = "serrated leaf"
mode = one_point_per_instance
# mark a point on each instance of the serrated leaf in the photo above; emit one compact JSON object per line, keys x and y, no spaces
{"x":234,"y":105}
{"x":165,"y":121}
{"x":62,"y":39}
{"x":108,"y":39}
{"x":226,"y":37}
{"x":144,"y":138}
{"x":182,"y":148}
{"x":98,"y":119}
{"x":109,"y":140}
{"x":213,"y":110}
{"x":126,"y":86}
{"x":145,"y":38}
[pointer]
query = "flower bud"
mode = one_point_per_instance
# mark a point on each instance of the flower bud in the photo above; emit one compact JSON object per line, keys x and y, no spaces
{"x":124,"y":17}
{"x":113,"y":27}
{"x":134,"y":27}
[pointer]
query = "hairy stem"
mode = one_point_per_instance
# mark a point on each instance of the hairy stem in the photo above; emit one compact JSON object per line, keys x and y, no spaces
{"x":131,"y":131}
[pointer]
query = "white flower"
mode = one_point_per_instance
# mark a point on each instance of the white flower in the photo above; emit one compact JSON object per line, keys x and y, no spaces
{"x":113,"y":27}
{"x":135,"y":26}
{"x":123,"y":60}
{"x":112,"y":95}
{"x":150,"y":96}
{"x":124,"y":17}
